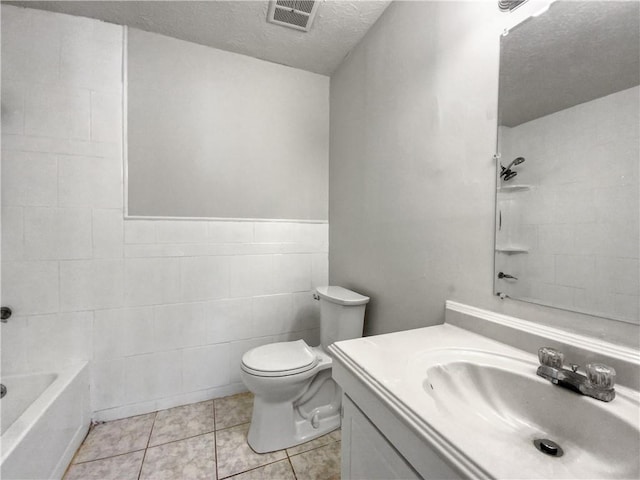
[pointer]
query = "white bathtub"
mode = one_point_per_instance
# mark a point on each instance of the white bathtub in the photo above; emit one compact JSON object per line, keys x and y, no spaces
{"x":43,"y":419}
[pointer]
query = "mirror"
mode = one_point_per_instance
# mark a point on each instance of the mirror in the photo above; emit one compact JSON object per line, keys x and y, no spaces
{"x":567,"y":201}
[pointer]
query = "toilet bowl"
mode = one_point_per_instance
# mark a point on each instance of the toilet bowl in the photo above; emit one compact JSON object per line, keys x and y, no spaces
{"x":295,"y":398}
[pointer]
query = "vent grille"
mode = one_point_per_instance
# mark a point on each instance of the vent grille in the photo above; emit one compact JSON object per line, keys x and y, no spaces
{"x":298,"y":14}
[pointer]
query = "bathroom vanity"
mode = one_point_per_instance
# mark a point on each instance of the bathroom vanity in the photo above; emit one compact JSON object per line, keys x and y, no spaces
{"x":462,"y":400}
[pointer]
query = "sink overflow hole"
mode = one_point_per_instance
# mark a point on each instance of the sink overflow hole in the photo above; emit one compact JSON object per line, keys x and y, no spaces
{"x":548,"y":447}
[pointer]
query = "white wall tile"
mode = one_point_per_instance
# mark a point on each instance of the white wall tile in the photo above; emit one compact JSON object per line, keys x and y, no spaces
{"x":575,"y":270}
{"x":306,"y":312}
{"x":30,"y":46}
{"x":106,"y":117}
{"x":90,"y":284}
{"x":293,"y":273}
{"x":228,"y":320}
{"x":204,"y":278}
{"x":13,"y":349}
{"x":180,"y":325}
{"x":319,"y":269}
{"x":57,"y":233}
{"x":230,"y":232}
{"x":91,"y":56}
{"x":29,"y":179}
{"x":316,"y":234}
{"x":276,"y":232}
{"x":107,"y":384}
{"x":152,"y":281}
{"x":139,"y":231}
{"x":30,"y":287}
{"x":618,"y":275}
{"x":272,"y":314}
{"x":108,"y":334}
{"x":138,"y":325}
{"x":57,"y":112}
{"x":252,"y":275}
{"x":169,"y":325}
{"x":205,"y":367}
{"x":90,"y":182}
{"x":153,"y":376}
{"x":108,"y":233}
{"x":59,"y":340}
{"x":12,"y":108}
{"x":63,"y":146}
{"x":174,"y":231}
{"x":627,"y":306}
{"x":12,"y":233}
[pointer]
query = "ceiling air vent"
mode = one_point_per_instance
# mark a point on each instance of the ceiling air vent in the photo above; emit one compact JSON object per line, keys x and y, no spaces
{"x":296,"y":14}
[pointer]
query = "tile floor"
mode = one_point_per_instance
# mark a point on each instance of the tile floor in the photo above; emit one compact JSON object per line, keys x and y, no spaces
{"x":205,"y":440}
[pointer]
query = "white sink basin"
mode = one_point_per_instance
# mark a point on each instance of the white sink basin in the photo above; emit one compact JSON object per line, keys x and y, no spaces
{"x":499,"y":400}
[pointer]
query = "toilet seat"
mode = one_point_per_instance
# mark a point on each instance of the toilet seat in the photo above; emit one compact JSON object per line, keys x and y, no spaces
{"x":280,"y":359}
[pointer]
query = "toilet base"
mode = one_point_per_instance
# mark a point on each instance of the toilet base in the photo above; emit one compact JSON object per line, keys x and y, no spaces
{"x":275,"y":427}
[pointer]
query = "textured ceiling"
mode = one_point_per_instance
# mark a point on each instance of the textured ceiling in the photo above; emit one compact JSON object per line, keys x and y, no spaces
{"x":574,"y":53}
{"x":239,"y":26}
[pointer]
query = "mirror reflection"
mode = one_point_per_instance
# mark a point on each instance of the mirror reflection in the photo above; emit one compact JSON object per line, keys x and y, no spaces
{"x":567,"y":203}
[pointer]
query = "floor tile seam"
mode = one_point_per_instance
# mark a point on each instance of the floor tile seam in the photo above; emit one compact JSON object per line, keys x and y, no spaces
{"x":108,"y":457}
{"x":295,"y":475}
{"x":254,"y":468}
{"x":144,"y":456}
{"x":179,"y":439}
{"x":311,"y":449}
{"x":233,"y":426}
{"x":215,"y":442}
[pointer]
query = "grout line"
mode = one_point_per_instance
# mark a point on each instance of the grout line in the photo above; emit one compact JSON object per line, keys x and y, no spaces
{"x":254,"y":468}
{"x":105,"y":458}
{"x":144,"y":456}
{"x":215,"y":436}
{"x":291,"y":465}
{"x":181,"y":439}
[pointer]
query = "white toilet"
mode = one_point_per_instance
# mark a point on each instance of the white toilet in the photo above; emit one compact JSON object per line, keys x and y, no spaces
{"x":296,"y":400}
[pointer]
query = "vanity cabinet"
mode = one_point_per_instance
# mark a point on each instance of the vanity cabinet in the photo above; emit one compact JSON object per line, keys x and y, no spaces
{"x":366,"y":453}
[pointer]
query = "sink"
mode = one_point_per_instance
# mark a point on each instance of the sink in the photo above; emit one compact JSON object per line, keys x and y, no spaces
{"x":500,"y":401}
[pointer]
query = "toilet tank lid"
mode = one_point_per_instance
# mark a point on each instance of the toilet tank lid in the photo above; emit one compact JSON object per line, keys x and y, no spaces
{"x":341,"y":296}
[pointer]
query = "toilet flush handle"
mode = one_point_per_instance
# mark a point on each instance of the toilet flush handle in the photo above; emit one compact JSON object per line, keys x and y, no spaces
{"x":316,"y":296}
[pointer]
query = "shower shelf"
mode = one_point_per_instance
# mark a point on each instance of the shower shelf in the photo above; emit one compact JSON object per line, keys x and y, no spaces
{"x":511,"y":249}
{"x":513,"y":188}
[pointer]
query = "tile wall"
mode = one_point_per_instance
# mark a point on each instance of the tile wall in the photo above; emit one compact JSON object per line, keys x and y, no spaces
{"x":579,"y":218}
{"x":163,"y":309}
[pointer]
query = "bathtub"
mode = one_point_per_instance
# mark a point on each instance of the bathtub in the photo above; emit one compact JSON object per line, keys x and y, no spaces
{"x":43,"y":419}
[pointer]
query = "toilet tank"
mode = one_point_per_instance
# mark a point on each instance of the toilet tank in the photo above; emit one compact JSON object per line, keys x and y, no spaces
{"x":341,"y":314}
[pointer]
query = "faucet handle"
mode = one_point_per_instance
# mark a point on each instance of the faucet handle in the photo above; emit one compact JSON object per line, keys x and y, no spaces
{"x":601,"y":376}
{"x":550,"y":357}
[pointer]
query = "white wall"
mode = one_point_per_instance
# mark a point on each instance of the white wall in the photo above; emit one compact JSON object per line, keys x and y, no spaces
{"x":412,"y":179}
{"x":217,"y":134}
{"x":579,"y":219}
{"x":162,"y":309}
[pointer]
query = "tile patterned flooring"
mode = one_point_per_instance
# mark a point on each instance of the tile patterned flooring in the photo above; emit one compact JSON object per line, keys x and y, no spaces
{"x":205,"y":440}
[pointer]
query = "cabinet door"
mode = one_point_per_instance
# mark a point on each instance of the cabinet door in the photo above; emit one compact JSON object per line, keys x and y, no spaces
{"x":366,"y":453}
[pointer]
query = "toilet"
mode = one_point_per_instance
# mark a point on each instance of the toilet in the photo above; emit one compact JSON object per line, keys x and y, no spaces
{"x":295,"y":398}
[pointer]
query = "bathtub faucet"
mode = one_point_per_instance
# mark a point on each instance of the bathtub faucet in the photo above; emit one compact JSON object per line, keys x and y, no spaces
{"x":597,"y":383}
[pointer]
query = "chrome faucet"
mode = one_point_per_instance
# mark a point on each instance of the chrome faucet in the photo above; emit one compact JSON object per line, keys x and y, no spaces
{"x":597,"y":383}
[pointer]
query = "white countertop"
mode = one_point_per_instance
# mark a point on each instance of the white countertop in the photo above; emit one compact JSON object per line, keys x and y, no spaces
{"x":394,"y":366}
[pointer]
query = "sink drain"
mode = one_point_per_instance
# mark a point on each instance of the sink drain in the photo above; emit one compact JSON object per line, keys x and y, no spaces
{"x":548,"y":447}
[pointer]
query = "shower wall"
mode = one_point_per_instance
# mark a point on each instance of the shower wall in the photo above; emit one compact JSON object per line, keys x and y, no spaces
{"x":162,"y":309}
{"x":579,"y":218}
